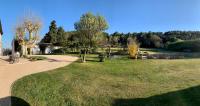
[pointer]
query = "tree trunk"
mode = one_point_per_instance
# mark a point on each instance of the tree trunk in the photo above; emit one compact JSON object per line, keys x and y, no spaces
{"x":30,"y":38}
{"x":31,"y":50}
{"x":109,"y":52}
{"x":84,"y":56}
{"x":23,"y":50}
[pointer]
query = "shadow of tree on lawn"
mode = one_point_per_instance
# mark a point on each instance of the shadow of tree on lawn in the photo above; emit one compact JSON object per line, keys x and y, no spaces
{"x":15,"y":101}
{"x":186,"y":97}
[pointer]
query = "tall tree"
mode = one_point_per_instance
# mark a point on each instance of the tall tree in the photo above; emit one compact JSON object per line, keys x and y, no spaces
{"x":51,"y":36}
{"x":88,"y":27}
{"x":73,"y":40}
{"x":61,"y":37}
{"x":115,"y":39}
{"x":30,"y":24}
{"x":53,"y":32}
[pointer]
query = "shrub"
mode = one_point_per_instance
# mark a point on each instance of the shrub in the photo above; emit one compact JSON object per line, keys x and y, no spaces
{"x":133,"y":50}
{"x":185,"y":46}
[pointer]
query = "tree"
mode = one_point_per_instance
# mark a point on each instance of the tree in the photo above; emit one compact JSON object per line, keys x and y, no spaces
{"x":104,"y":39}
{"x":27,"y":32}
{"x":150,"y":39}
{"x":17,"y":45}
{"x":55,"y":36}
{"x":115,"y":39}
{"x":32,"y":25}
{"x":61,"y":37}
{"x":51,"y":36}
{"x":133,"y":47}
{"x":156,"y":40}
{"x":53,"y":32}
{"x":88,"y":27}
{"x":73,"y":40}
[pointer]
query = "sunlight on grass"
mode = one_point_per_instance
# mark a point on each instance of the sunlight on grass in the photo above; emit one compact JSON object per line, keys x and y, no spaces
{"x":112,"y":83}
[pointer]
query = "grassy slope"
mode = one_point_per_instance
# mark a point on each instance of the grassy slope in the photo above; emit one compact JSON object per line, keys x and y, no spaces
{"x":118,"y":82}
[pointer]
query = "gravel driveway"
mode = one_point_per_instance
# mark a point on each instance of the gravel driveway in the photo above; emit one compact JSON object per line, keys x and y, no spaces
{"x":9,"y":73}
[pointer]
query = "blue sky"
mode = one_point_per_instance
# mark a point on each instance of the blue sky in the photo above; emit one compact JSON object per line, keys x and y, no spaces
{"x":122,"y":15}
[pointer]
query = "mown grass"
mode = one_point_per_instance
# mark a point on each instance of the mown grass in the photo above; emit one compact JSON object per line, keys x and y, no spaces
{"x":116,"y":82}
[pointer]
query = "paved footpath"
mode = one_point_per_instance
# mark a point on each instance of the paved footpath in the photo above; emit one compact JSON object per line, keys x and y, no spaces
{"x":9,"y":73}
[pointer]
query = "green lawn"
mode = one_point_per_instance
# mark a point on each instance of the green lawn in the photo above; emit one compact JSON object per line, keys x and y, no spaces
{"x":116,"y":82}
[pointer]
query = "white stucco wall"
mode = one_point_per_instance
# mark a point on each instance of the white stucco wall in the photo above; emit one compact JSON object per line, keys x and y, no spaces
{"x":36,"y":50}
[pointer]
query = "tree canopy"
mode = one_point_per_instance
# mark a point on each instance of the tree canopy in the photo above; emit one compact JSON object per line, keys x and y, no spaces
{"x":89,"y":26}
{"x":61,"y":37}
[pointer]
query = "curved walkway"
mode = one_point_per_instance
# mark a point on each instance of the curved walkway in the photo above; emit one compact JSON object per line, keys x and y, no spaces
{"x":9,"y":73}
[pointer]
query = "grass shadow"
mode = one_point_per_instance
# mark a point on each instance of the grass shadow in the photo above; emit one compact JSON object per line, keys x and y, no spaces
{"x":186,"y":97}
{"x":13,"y":101}
{"x":92,"y":60}
{"x":55,"y":60}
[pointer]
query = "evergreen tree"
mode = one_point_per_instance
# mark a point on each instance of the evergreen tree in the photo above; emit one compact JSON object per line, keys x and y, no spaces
{"x":51,"y":36}
{"x":61,"y":37}
{"x":53,"y":32}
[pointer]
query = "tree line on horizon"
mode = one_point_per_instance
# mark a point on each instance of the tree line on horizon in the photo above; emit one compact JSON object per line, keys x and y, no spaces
{"x":57,"y":36}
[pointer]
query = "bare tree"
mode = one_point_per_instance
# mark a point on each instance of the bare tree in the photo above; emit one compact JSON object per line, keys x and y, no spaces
{"x":27,"y":32}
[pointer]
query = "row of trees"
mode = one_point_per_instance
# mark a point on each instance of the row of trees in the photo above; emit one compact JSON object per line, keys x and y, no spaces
{"x":116,"y":39}
{"x":153,"y":39}
{"x":88,"y":32}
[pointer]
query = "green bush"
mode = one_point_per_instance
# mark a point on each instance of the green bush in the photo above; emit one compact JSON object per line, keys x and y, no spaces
{"x":185,"y":46}
{"x":36,"y":58}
